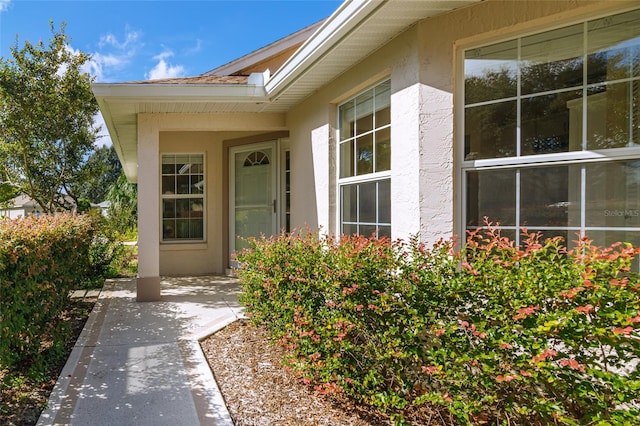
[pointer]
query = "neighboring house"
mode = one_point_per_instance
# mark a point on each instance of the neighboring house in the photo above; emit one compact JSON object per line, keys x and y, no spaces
{"x":20,"y":206}
{"x":396,"y":117}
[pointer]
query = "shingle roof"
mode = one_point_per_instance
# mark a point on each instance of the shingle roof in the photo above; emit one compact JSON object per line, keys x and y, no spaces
{"x":199,"y":79}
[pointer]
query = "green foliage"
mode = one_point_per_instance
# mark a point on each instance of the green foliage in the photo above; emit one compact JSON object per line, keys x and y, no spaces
{"x":492,"y":332}
{"x":41,"y":260}
{"x":108,"y":256}
{"x":46,"y":117}
{"x":123,"y":207}
{"x":100,"y":171}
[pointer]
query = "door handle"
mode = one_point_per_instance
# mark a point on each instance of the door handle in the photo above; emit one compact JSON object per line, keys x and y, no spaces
{"x":275,"y":204}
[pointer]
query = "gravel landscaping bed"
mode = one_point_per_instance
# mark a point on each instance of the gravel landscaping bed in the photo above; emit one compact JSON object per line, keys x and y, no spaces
{"x":259,"y":390}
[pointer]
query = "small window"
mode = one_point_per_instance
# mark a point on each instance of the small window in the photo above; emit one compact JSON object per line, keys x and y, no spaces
{"x":183,"y":189}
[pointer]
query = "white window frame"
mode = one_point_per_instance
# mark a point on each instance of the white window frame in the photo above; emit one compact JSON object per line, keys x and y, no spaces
{"x":582,"y":158}
{"x":202,"y":196}
{"x":364,"y":178}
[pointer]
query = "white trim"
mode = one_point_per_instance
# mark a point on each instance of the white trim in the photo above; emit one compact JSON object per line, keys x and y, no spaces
{"x":347,"y":17}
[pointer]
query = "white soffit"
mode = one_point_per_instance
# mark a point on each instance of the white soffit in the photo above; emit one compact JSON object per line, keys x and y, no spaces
{"x":353,"y":32}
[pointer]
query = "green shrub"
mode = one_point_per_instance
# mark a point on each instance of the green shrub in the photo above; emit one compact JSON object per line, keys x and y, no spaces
{"x":490,"y":332}
{"x":41,"y":260}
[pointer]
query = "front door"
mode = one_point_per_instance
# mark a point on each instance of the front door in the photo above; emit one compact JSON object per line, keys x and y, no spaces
{"x":252,"y":193}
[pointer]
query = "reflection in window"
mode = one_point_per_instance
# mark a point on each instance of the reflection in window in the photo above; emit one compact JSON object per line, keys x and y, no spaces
{"x":569,"y":91}
{"x":364,"y":162}
{"x":183,"y":186}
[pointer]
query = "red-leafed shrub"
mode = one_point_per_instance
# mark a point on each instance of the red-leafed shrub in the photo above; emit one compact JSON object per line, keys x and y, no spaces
{"x":41,"y":259}
{"x":492,"y":332}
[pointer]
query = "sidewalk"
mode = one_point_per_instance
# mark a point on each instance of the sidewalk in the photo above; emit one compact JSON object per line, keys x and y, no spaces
{"x":140,"y":363}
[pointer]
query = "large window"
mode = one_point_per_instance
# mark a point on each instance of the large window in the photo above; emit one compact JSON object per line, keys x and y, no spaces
{"x":552,"y":132}
{"x":183,"y":189}
{"x":364,"y":158}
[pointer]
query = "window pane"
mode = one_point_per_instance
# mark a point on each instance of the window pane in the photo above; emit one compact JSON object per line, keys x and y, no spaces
{"x":614,"y":47}
{"x":384,"y":201}
{"x":550,"y":196}
{"x":490,"y":131}
{"x":168,"y":209}
{"x":346,"y":117}
{"x":383,"y":104}
{"x":364,"y":147}
{"x":368,"y":230}
{"x":367,"y":202}
{"x":384,"y":231}
{"x":168,"y":229}
{"x":348,"y":229}
{"x":552,"y":60}
{"x":546,"y":124}
{"x":364,"y":112}
{"x":346,"y":159}
{"x":613,"y":194}
{"x":182,"y":184}
{"x":609,"y":110}
{"x":492,"y":194}
{"x":182,"y":229}
{"x":491,"y":72}
{"x":350,"y":203}
{"x":383,"y":149}
{"x":182,"y":207}
{"x":168,"y":165}
{"x":168,"y":184}
{"x":197,"y":184}
{"x":196,"y":229}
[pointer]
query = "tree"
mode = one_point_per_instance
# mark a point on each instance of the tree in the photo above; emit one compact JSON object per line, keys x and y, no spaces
{"x":46,"y":120}
{"x":101,"y":170}
{"x":123,"y":207}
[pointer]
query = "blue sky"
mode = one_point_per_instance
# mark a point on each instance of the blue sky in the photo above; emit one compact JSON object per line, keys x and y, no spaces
{"x":138,"y":40}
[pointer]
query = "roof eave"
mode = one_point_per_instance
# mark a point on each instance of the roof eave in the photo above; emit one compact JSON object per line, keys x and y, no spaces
{"x":339,"y":24}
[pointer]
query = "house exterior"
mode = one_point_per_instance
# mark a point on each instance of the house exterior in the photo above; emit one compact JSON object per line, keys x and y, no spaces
{"x":393,"y":117}
{"x":20,"y":206}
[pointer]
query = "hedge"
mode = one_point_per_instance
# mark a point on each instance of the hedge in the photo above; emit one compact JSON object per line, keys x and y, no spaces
{"x":41,"y":259}
{"x":488,"y":332}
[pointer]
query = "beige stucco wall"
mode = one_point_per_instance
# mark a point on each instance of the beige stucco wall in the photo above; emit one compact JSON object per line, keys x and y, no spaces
{"x":422,"y":68}
{"x":208,"y":257}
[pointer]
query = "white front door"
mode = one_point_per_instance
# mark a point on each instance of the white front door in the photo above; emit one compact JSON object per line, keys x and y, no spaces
{"x":252,"y":193}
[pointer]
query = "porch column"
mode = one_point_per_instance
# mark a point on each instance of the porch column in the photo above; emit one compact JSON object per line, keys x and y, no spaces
{"x":148,"y":281}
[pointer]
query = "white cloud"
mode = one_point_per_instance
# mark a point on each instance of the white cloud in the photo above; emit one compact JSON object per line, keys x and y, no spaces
{"x":114,"y":55}
{"x":163,"y":69}
{"x":4,"y":5}
{"x":130,"y":39}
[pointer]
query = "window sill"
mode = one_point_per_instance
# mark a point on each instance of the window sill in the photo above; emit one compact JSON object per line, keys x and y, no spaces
{"x":183,"y":245}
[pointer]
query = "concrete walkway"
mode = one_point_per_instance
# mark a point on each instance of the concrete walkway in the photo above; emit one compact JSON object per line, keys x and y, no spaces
{"x":140,"y":363}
